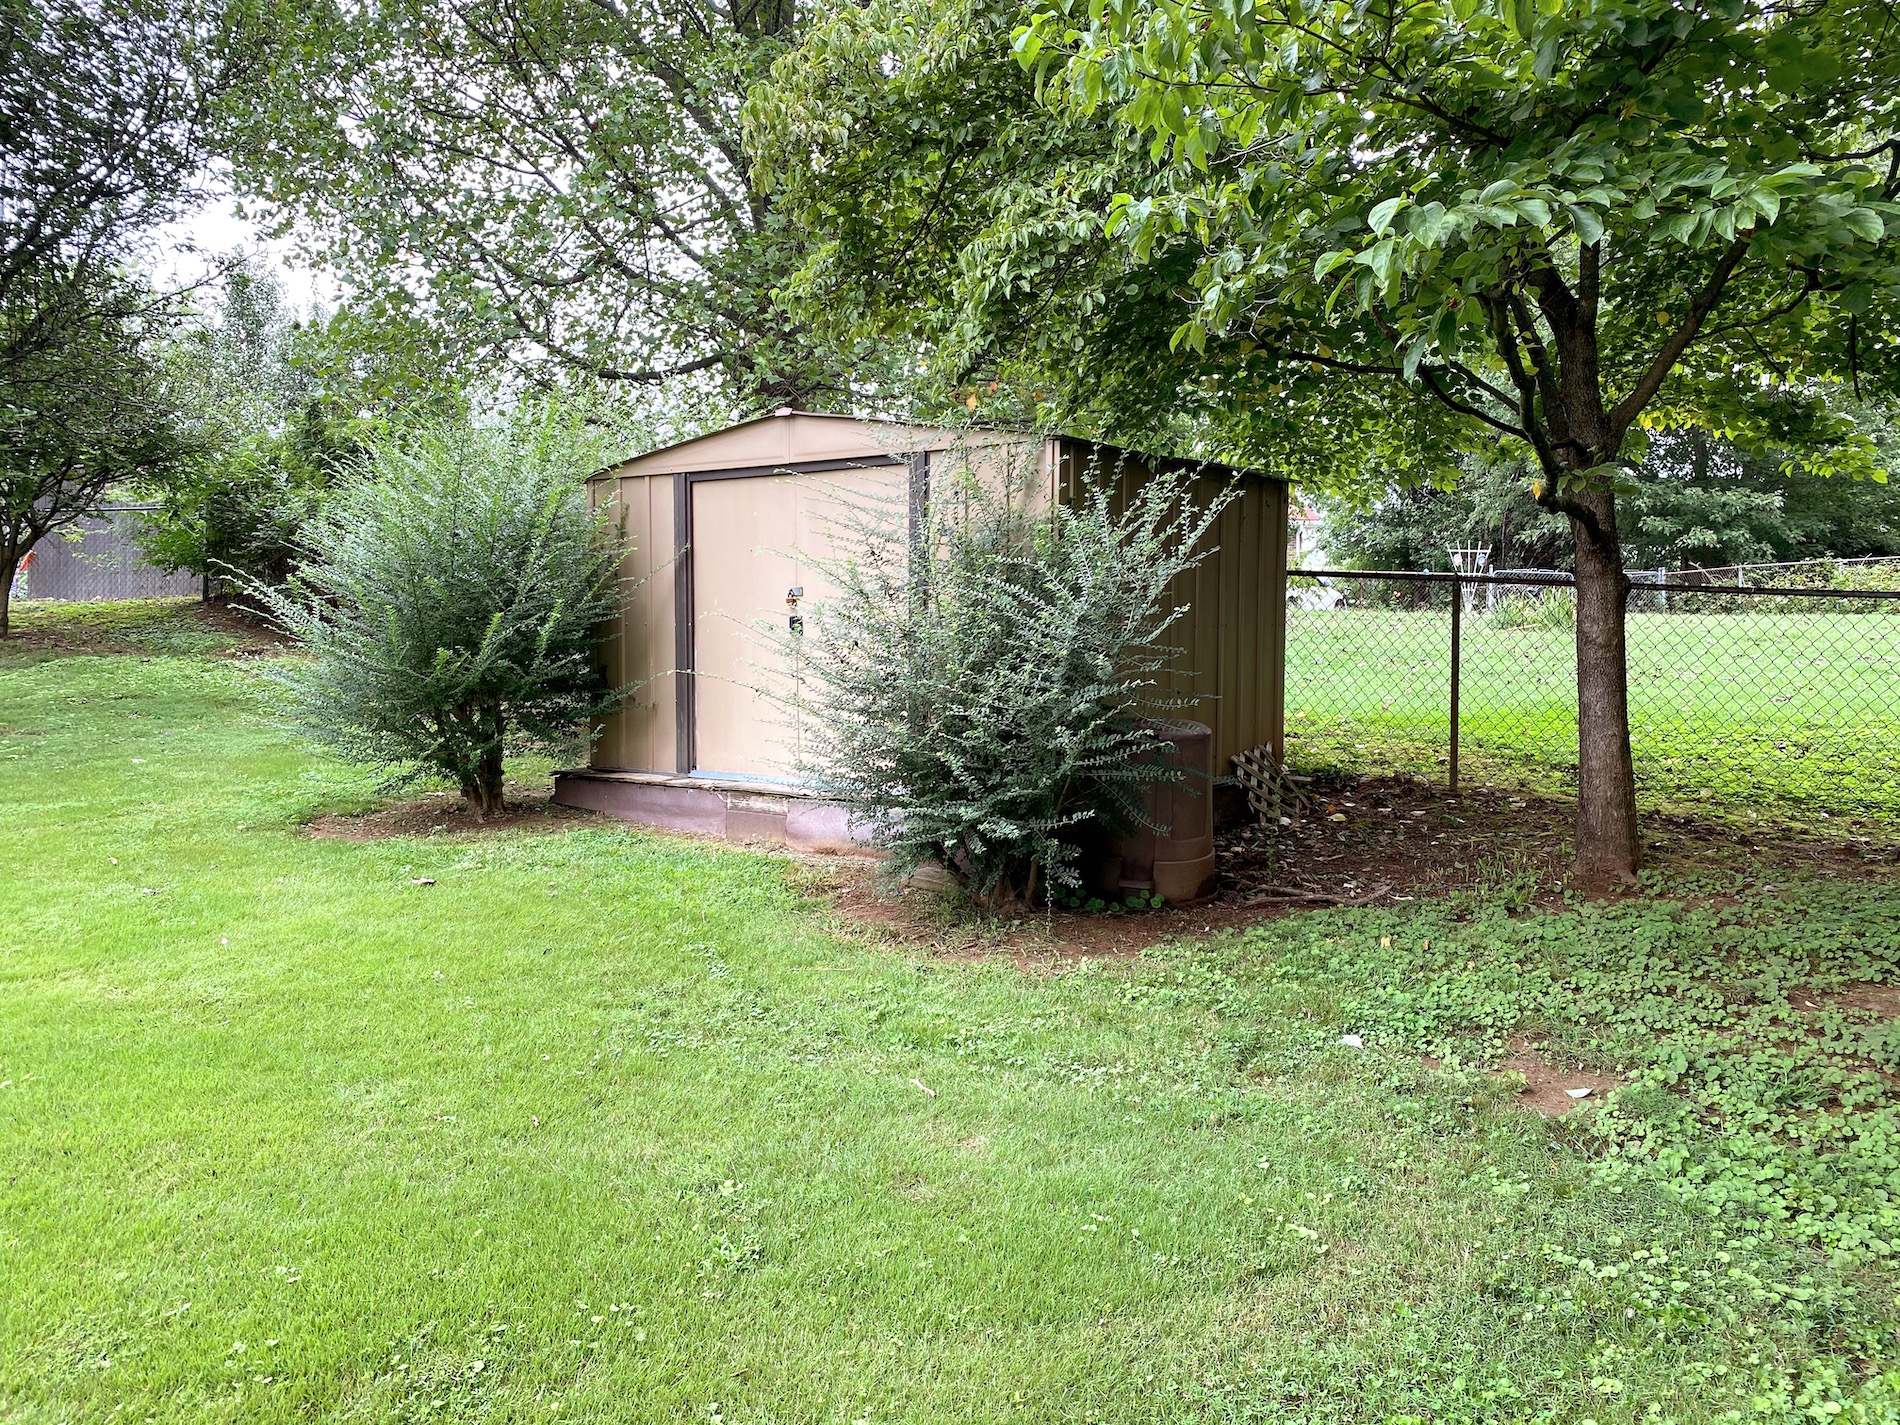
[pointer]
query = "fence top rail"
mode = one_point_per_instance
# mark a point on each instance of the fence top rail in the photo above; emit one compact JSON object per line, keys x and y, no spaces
{"x":1429,"y":576}
{"x":1565,"y":581}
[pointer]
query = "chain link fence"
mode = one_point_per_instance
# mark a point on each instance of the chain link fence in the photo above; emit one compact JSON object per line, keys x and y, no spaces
{"x":1774,"y":700}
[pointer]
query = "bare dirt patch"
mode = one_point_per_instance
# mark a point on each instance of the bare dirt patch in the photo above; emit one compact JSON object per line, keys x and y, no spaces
{"x":919,"y":920}
{"x":1883,"y":1000}
{"x":446,"y":814}
{"x":1553,"y":1088}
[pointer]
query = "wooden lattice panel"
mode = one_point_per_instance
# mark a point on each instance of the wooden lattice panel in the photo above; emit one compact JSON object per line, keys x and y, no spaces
{"x":1272,"y":794}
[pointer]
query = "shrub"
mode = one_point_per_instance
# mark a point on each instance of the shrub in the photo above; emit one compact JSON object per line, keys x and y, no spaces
{"x":450,"y":595}
{"x":976,"y":688}
{"x":1554,"y":610}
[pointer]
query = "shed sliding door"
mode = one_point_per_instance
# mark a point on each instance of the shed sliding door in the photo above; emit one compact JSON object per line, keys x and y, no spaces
{"x":753,"y":540}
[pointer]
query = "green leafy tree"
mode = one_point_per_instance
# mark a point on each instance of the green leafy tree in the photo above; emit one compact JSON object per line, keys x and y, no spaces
{"x":104,"y":127}
{"x":1564,"y":224}
{"x":449,"y":600}
{"x":954,"y":215}
{"x":559,"y":185}
{"x":1701,"y":501}
{"x":1695,"y":500}
{"x":1415,"y":526}
{"x":84,"y":415}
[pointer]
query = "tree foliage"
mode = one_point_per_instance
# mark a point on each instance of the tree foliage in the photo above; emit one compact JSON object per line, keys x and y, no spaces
{"x":1414,"y":526}
{"x":83,"y":415}
{"x":1480,"y":197}
{"x":104,"y":127}
{"x":976,"y":688}
{"x":558,"y":184}
{"x":449,"y":599}
{"x":279,"y":407}
{"x":1702,"y":501}
{"x":1695,"y":500}
{"x":955,"y":214}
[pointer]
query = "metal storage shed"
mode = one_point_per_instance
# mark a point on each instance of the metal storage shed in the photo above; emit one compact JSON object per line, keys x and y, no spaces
{"x":722,"y":530}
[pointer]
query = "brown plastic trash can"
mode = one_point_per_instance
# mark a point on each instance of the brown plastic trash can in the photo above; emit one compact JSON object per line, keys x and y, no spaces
{"x":1175,"y":859}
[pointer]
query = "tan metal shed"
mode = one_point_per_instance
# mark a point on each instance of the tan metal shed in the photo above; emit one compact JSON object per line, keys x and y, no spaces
{"x":721,"y":529}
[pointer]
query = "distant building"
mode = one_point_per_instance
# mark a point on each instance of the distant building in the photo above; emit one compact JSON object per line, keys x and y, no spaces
{"x":1305,"y":539}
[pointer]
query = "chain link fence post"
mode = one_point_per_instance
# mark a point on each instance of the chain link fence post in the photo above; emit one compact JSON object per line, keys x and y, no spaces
{"x":1457,"y":642}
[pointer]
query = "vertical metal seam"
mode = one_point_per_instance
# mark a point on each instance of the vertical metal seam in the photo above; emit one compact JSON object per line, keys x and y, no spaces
{"x":919,"y":495}
{"x":683,"y":689}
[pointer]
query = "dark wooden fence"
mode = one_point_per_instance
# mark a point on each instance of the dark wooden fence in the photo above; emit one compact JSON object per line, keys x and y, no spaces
{"x":99,"y":558}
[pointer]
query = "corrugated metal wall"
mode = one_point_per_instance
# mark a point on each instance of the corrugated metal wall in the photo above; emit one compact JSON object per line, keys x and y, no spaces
{"x":1232,"y":639}
{"x":1233,"y":653}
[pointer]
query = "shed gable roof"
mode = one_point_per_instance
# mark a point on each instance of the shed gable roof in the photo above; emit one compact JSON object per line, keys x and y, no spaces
{"x":797,"y":437}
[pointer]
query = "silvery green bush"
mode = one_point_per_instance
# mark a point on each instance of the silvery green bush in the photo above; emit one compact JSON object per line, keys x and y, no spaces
{"x":449,"y":599}
{"x":976,"y":690}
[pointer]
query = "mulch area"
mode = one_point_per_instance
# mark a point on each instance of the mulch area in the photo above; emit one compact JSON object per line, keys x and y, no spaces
{"x":1393,"y":839}
{"x":1374,"y":841}
{"x":446,"y":814}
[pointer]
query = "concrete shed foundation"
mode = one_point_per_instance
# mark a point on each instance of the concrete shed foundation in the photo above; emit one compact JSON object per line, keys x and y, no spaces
{"x":705,"y":806}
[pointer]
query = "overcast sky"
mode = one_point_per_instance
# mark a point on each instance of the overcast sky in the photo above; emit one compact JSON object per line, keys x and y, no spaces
{"x":215,"y":230}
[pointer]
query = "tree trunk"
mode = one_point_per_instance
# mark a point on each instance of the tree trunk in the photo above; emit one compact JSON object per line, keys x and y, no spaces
{"x":1609,"y":848}
{"x":484,"y":792}
{"x":9,"y":569}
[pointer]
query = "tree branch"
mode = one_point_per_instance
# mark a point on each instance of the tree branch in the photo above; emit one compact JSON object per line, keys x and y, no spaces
{"x":1506,"y":341}
{"x":1626,"y":410}
{"x":1433,"y":383}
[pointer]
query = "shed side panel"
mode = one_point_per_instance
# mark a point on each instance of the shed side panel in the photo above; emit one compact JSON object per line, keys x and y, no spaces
{"x":1235,"y":627}
{"x":1261,"y":602}
{"x":640,"y":736}
{"x":1194,"y":673}
{"x":1231,"y":637}
{"x":1204,"y":648}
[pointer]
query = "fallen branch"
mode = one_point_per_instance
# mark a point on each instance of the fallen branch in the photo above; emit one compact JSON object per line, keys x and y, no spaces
{"x":1314,"y":898}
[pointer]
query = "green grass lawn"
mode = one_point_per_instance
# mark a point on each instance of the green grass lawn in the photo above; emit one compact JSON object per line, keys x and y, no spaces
{"x":1795,"y":711}
{"x":605,"y":1126}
